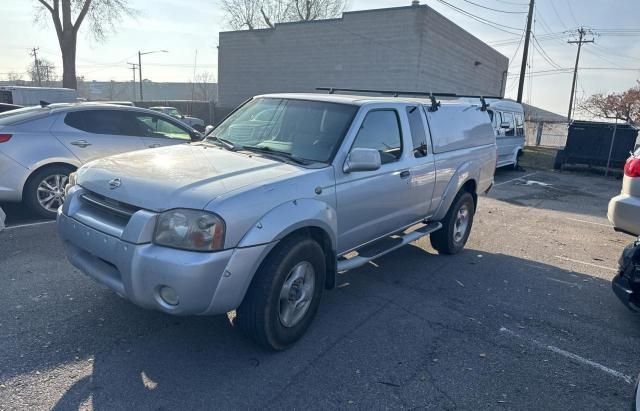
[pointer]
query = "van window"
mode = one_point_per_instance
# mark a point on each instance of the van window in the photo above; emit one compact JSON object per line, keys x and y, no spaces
{"x":508,"y":118}
{"x":418,"y":132}
{"x":519,"y":125}
{"x":380,"y":130}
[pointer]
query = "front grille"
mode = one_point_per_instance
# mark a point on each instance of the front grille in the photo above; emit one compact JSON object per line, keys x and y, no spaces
{"x":109,"y":206}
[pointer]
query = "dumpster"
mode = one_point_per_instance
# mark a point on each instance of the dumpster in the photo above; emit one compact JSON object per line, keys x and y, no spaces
{"x":589,"y":143}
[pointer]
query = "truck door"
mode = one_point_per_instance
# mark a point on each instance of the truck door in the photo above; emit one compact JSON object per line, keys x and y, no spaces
{"x":372,"y":204}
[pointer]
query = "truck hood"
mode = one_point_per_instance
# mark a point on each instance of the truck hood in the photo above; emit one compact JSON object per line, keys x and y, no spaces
{"x":182,"y":176}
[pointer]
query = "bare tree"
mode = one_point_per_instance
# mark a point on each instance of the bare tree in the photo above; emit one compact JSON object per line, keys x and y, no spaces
{"x":14,"y":77}
{"x":68,"y":16}
{"x":46,"y":71}
{"x":247,"y":14}
{"x":204,"y":86}
{"x":623,"y":106}
{"x":241,"y":13}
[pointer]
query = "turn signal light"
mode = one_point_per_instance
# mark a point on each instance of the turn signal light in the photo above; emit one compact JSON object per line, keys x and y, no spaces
{"x":632,"y":167}
{"x":4,"y":138}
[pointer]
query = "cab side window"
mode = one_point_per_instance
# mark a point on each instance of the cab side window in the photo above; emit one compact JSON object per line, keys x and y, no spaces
{"x":519,"y":125}
{"x":508,"y":118}
{"x":418,"y":131}
{"x":154,"y":126}
{"x":380,"y":130}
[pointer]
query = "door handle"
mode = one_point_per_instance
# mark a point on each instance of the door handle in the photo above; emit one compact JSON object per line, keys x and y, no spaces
{"x":80,"y":143}
{"x":405,"y":174}
{"x":154,"y":145}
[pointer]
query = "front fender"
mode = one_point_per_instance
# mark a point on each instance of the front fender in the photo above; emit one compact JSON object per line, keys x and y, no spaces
{"x":289,"y":217}
{"x":468,"y":170}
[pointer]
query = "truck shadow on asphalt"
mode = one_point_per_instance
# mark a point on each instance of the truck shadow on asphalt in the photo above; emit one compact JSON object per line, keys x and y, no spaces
{"x":412,"y":329}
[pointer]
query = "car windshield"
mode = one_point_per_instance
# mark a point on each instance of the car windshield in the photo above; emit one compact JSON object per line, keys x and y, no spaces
{"x":309,"y":130}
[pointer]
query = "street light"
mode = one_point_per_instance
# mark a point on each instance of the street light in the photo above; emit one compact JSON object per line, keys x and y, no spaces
{"x":140,"y":54}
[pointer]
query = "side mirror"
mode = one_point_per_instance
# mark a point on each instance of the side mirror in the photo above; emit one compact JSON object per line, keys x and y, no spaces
{"x":362,"y":159}
{"x":181,"y":115}
{"x":208,"y":129}
{"x":505,"y":124}
{"x":196,"y":136}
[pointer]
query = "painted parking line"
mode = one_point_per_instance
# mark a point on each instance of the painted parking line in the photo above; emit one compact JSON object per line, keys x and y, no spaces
{"x":585,"y":263}
{"x":588,"y":222}
{"x":515,"y":179}
{"x":13,"y":227}
{"x":570,"y":355}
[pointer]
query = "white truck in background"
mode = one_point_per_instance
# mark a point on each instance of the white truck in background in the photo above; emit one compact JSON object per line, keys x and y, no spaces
{"x":32,"y":96}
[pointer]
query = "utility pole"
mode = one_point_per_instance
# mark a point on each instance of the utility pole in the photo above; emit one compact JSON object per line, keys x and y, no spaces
{"x":140,"y":73}
{"x":34,"y":53}
{"x":140,"y":54}
{"x":581,"y":33}
{"x":525,"y":53}
{"x":134,"y":67}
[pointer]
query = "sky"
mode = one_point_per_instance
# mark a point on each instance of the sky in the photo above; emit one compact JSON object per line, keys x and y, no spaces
{"x":189,"y":27}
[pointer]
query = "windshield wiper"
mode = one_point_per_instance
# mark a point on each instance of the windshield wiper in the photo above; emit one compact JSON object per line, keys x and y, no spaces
{"x":223,"y":142}
{"x":267,"y":150}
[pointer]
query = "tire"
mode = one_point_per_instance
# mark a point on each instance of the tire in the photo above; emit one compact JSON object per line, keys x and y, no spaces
{"x":37,"y":189}
{"x":559,"y":160}
{"x":264,"y":316}
{"x":449,"y":239}
{"x":516,"y":164}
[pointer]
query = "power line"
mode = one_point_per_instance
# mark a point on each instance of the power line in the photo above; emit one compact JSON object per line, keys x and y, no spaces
{"x":544,"y":54}
{"x":497,"y":26}
{"x":553,"y":6}
{"x":492,"y":9}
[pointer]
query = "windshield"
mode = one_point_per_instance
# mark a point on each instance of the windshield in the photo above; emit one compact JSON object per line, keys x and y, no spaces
{"x":310,"y":130}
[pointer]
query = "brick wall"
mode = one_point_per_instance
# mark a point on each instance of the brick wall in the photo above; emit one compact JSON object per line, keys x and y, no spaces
{"x":404,"y":48}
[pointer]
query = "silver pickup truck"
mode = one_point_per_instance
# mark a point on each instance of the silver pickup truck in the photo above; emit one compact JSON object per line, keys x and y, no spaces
{"x":287,"y":192}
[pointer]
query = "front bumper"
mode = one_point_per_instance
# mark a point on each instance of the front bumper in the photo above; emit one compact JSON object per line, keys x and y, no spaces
{"x":622,"y":289}
{"x":624,"y":214}
{"x":205,"y":283}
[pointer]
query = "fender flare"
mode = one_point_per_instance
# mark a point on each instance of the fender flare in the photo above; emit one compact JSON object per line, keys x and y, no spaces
{"x":298,"y":214}
{"x":467,"y":171}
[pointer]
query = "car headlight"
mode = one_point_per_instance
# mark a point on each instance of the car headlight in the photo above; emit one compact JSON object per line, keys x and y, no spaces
{"x":190,"y":230}
{"x":73,"y":180}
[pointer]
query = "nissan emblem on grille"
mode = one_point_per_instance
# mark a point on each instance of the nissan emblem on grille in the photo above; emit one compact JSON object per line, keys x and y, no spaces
{"x":115,"y":183}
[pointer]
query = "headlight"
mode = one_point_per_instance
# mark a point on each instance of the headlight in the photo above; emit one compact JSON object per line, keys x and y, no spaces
{"x":73,"y":180}
{"x":190,"y":230}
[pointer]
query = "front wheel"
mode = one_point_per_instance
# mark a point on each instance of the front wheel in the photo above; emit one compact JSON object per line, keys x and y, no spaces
{"x":284,"y":295}
{"x":456,"y":226}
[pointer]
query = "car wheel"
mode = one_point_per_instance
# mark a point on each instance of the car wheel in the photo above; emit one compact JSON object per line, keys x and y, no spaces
{"x":44,"y":191}
{"x":456,"y":226}
{"x":284,"y":295}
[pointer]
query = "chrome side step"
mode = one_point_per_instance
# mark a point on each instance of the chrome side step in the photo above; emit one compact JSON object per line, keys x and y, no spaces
{"x":371,"y":252}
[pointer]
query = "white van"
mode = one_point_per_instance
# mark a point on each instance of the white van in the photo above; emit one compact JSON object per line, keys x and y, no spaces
{"x":31,"y":96}
{"x":508,"y":122}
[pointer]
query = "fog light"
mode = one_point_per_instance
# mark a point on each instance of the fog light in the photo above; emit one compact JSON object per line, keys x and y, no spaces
{"x":169,"y":295}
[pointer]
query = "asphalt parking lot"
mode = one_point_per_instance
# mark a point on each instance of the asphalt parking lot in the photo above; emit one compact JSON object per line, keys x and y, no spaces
{"x":524,"y":318}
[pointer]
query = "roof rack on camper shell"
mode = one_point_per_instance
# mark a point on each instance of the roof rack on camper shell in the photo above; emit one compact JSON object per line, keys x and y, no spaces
{"x":396,"y":93}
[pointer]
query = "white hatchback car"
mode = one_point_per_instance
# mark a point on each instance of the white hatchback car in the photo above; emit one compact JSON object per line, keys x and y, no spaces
{"x":41,"y":146}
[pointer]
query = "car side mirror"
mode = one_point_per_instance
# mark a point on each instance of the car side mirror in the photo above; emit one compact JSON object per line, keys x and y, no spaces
{"x":362,"y":159}
{"x":505,"y":124}
{"x":181,"y":115}
{"x":196,"y":136}
{"x":208,"y":129}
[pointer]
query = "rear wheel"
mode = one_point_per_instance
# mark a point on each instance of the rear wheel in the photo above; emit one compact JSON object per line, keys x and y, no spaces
{"x":44,"y":191}
{"x":456,"y":226}
{"x":284,"y":295}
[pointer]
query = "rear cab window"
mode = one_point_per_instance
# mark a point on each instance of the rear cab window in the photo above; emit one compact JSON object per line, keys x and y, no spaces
{"x":418,"y":131}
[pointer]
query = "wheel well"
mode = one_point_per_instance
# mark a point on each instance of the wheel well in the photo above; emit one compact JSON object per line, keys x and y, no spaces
{"x":33,"y":173}
{"x":470,"y":186}
{"x":322,"y":238}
